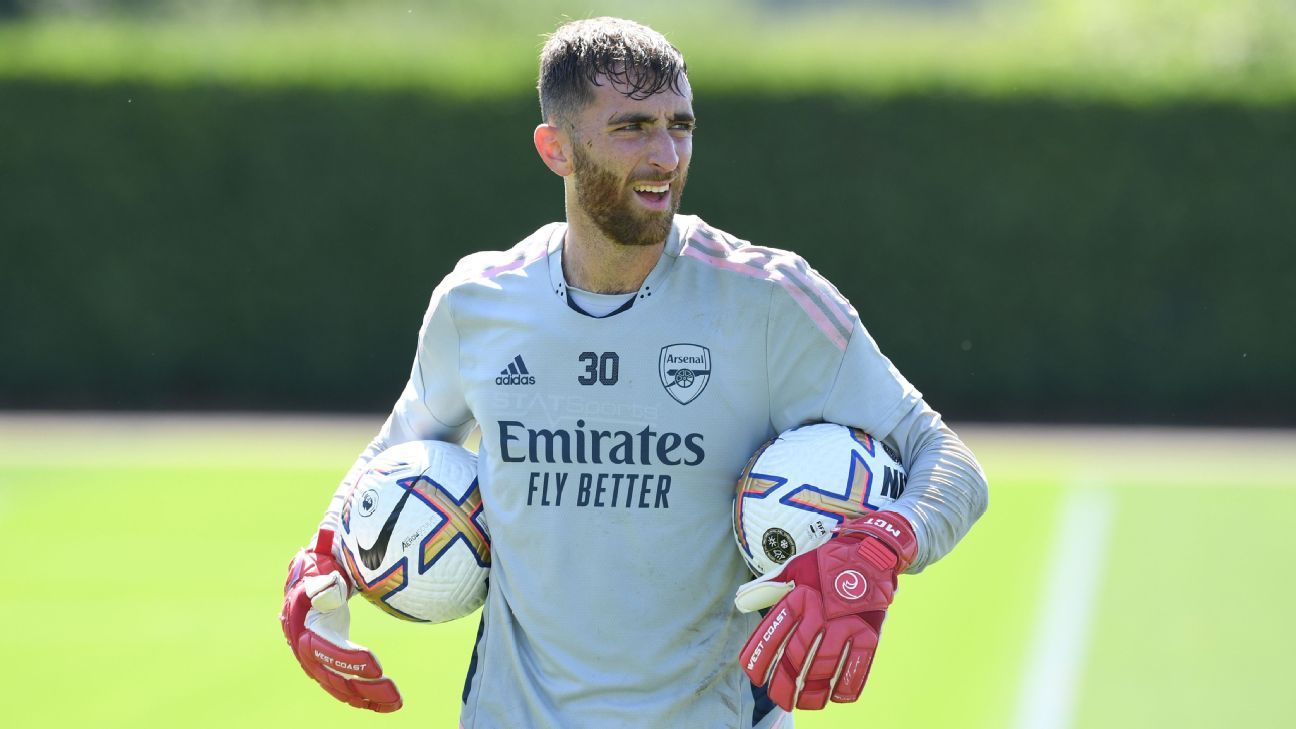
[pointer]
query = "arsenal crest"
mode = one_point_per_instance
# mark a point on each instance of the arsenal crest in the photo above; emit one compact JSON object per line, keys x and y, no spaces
{"x":685,"y":370}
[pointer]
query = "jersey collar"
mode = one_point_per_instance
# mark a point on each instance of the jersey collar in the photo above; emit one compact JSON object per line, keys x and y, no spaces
{"x":681,"y":227}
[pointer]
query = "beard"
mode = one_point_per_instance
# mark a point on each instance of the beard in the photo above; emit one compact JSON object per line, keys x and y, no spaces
{"x":606,"y":200}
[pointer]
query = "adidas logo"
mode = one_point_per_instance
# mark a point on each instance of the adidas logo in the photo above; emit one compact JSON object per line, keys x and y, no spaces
{"x":515,"y":374}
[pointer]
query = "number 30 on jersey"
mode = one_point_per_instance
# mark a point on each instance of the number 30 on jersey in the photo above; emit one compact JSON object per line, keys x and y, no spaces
{"x":600,"y":369}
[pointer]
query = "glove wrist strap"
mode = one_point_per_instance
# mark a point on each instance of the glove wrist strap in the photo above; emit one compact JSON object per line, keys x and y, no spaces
{"x":883,"y":529}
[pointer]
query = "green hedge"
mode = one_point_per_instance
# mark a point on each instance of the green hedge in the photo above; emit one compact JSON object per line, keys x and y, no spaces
{"x":1018,"y":259}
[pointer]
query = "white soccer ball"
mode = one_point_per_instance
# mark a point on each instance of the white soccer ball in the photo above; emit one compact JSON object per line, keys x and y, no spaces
{"x":801,"y":485}
{"x":413,"y":534}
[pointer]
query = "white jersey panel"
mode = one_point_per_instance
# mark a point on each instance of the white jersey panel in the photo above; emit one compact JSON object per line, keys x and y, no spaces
{"x":607,"y":477}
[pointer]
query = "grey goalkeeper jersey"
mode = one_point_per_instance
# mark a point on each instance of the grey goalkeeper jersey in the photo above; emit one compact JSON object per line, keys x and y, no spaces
{"x":609,"y":452}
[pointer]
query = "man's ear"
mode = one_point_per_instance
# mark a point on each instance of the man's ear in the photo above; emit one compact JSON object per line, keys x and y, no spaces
{"x":554,"y":146}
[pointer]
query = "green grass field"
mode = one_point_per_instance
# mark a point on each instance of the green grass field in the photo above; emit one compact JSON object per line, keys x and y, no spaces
{"x":150,"y":552}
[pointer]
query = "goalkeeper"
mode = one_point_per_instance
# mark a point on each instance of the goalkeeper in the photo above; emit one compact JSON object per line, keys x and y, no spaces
{"x":622,"y":365}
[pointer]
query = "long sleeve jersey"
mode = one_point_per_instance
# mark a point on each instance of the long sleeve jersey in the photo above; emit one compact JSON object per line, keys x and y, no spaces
{"x":607,"y":478}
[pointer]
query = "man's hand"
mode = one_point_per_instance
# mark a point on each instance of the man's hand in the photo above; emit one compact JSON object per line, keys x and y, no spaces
{"x":315,"y":621}
{"x":818,"y":640}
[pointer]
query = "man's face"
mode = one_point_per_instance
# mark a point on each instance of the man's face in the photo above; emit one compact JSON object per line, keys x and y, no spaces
{"x":631,"y":159}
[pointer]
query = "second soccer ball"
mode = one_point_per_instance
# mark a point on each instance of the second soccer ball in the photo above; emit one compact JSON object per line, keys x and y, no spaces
{"x":801,"y":485}
{"x":413,"y":534}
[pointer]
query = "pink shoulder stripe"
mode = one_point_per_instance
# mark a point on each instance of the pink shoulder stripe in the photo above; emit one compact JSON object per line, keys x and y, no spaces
{"x":838,"y":334}
{"x":709,"y":240}
{"x":814,"y":286}
{"x":777,"y":264}
{"x":826,"y":293}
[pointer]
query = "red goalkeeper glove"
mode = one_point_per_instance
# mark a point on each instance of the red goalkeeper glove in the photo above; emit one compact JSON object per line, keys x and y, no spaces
{"x":818,"y":640}
{"x":316,"y":622}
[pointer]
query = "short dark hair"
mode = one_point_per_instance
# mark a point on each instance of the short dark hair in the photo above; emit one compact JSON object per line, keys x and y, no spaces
{"x":637,"y":60}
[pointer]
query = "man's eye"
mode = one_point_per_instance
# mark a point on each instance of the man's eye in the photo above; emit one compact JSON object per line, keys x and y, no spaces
{"x":630,"y":127}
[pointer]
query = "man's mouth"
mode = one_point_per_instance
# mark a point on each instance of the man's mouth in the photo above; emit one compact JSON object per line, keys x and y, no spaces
{"x":655,"y":195}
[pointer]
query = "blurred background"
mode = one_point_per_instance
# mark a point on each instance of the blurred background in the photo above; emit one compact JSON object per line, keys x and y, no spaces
{"x":1072,"y":223}
{"x":1045,"y":210}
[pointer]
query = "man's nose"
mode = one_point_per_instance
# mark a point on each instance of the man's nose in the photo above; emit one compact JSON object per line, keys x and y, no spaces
{"x":662,"y":153}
